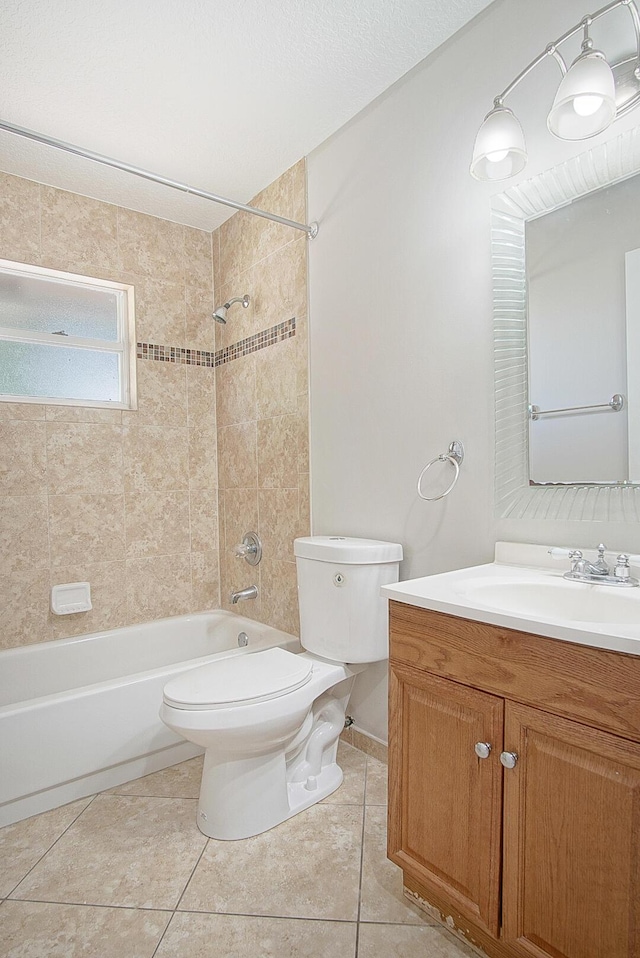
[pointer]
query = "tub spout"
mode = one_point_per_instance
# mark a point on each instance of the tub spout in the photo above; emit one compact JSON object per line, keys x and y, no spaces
{"x":251,"y":592}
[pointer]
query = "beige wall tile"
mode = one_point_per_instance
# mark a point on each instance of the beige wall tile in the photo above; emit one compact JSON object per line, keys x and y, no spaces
{"x":279,"y":284}
{"x":23,"y":463}
{"x":108,"y":581}
{"x":237,"y":451}
{"x":86,"y":527}
{"x":162,"y":395}
{"x":199,"y":322}
{"x":83,"y":457}
{"x":24,"y":599}
{"x":198,"y":258}
{"x":239,"y":513}
{"x":157,"y":524}
{"x":149,"y":246}
{"x":201,"y":396}
{"x":205,"y":579}
{"x":155,"y":459}
{"x":278,"y":453}
{"x":215,"y":240}
{"x":280,"y":595}
{"x":78,"y":232}
{"x":24,"y":543}
{"x":279,"y":522}
{"x":160,"y":312}
{"x":87,"y":458}
{"x":21,"y":410}
{"x":19,"y":219}
{"x":277,"y":380}
{"x":203,"y":515}
{"x":236,"y":390}
{"x":203,"y":464}
{"x":82,"y":414}
{"x":158,"y":587}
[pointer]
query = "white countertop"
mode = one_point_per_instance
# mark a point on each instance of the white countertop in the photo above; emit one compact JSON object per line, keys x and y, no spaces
{"x":499,"y":593}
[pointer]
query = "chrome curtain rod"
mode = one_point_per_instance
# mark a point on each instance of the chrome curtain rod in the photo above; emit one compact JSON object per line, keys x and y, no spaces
{"x":311,"y":230}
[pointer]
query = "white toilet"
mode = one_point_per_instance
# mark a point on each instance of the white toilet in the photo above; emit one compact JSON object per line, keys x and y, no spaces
{"x":270,"y":721}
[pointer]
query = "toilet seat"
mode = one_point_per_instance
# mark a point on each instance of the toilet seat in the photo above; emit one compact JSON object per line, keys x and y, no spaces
{"x":239,"y":680}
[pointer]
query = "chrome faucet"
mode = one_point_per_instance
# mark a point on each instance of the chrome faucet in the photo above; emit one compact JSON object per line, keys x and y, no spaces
{"x":251,"y":592}
{"x":599,"y":572}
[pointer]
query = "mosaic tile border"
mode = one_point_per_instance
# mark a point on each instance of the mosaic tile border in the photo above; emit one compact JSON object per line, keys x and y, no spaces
{"x":203,"y":357}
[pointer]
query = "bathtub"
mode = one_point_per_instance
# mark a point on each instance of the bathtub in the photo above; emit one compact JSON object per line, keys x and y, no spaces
{"x":80,"y":715}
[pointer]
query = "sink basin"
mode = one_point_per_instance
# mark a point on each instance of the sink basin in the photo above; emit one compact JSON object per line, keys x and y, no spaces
{"x":524,"y":589}
{"x":557,"y":599}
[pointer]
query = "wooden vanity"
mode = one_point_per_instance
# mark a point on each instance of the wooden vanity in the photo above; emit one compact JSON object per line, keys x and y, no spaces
{"x":541,"y":858}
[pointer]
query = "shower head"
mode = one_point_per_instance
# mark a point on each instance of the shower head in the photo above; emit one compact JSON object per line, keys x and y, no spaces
{"x":220,"y":315}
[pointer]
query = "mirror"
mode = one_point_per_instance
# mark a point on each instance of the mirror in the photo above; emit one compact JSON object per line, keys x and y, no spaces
{"x":566,"y":266}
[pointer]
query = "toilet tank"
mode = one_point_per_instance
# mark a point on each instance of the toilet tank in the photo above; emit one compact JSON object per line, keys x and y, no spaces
{"x":343,"y":616}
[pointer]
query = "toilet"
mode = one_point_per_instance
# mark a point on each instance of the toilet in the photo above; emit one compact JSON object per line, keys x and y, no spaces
{"x":270,"y":721}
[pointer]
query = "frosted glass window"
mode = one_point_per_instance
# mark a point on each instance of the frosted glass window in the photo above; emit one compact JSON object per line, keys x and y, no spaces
{"x":29,"y":369}
{"x":65,"y":339}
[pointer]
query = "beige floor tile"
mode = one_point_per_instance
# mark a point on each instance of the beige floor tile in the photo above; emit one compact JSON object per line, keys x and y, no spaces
{"x":239,"y":936}
{"x":353,"y":765}
{"x":308,"y":867}
{"x":406,"y":941}
{"x":23,"y":844}
{"x":377,"y":774}
{"x":43,"y":930}
{"x":382,"y":895}
{"x":179,"y":781}
{"x":121,"y":851}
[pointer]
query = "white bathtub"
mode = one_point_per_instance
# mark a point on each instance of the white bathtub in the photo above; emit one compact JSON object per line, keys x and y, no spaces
{"x":81,"y":715}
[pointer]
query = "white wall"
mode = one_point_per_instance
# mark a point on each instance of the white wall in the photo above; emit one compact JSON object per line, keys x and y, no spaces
{"x":400,"y":305}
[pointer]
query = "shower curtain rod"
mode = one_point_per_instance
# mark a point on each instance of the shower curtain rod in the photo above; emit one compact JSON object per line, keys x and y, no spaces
{"x":311,"y":230}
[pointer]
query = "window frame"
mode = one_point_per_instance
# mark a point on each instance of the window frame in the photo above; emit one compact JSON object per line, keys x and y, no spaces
{"x":124,"y":346}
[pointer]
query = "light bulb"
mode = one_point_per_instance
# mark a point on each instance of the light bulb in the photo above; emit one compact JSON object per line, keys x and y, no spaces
{"x":587,"y":105}
{"x":497,"y":156}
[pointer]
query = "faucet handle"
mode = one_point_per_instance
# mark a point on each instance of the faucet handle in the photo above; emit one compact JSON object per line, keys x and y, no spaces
{"x":601,"y":562}
{"x":575,"y":554}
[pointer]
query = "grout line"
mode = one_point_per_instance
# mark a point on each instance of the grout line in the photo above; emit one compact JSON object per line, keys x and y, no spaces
{"x":64,"y":832}
{"x":88,"y":904}
{"x":364,"y":815}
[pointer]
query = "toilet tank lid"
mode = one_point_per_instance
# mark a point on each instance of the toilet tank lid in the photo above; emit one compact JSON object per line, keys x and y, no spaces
{"x":347,"y":550}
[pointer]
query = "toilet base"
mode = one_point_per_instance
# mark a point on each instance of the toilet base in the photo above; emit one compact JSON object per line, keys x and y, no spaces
{"x":240,"y":798}
{"x":225,"y":820}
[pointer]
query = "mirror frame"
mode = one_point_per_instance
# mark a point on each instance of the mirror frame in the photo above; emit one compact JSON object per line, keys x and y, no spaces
{"x":515,"y":498}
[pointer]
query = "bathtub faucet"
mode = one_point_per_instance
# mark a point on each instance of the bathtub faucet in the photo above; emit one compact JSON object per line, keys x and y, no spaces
{"x":251,"y":592}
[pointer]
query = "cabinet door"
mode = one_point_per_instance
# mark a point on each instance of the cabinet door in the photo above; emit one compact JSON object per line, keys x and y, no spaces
{"x":571,"y":839}
{"x":444,"y":801}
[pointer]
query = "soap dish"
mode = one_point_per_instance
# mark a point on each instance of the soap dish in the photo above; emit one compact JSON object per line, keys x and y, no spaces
{"x":71,"y":597}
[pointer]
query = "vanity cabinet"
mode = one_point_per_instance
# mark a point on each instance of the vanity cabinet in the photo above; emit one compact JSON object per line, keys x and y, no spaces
{"x":540,"y":859}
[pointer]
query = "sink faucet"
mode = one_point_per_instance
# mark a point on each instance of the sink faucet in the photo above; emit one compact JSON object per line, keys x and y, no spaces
{"x":251,"y":592}
{"x":584,"y":571}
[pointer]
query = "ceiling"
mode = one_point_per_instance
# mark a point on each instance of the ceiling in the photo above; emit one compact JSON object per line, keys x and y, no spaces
{"x":223,"y":95}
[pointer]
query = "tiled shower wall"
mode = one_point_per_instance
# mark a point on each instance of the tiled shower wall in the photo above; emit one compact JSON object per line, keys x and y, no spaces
{"x":262,"y":400}
{"x":125,"y":500}
{"x":129,"y":500}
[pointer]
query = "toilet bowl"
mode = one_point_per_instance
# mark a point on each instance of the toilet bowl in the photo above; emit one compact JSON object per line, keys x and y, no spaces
{"x":270,"y":721}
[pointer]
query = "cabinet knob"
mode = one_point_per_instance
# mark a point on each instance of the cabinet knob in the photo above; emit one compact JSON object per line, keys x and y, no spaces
{"x":482,"y":749}
{"x":508,"y":759}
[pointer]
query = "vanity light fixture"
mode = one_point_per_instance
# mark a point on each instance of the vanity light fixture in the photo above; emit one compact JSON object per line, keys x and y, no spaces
{"x":591,"y":95}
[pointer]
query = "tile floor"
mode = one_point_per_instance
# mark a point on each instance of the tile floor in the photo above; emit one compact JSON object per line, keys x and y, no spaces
{"x":126,"y":874}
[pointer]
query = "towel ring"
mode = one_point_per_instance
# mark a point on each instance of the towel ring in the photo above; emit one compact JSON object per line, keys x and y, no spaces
{"x":455,"y":456}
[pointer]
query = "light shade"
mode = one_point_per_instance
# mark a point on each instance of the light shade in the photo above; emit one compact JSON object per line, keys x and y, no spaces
{"x":499,"y":151}
{"x":585,"y":103}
